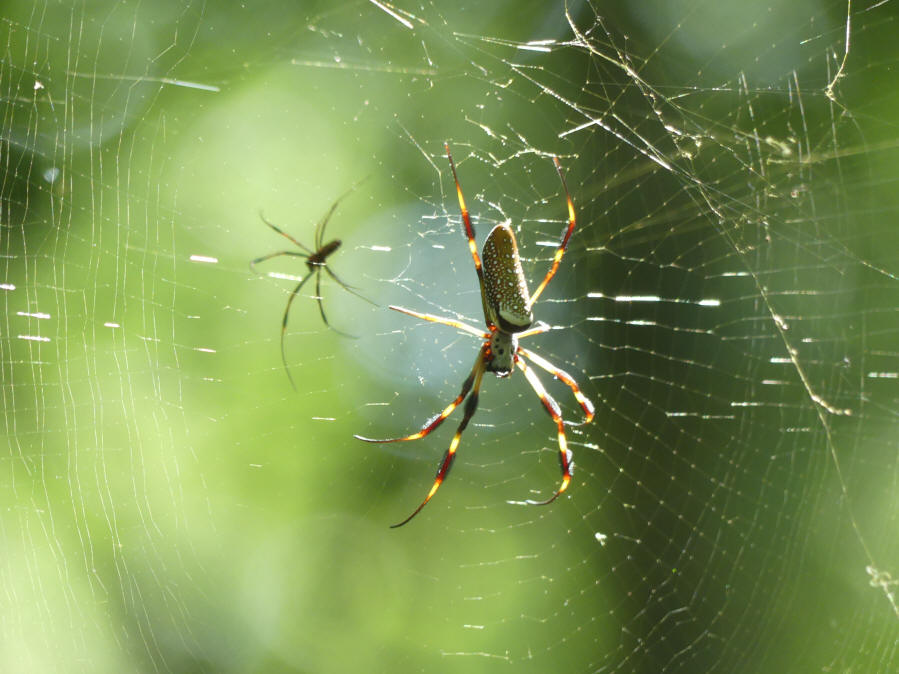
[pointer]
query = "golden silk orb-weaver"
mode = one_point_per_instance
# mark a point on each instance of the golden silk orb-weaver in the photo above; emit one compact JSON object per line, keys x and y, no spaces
{"x":507,"y":313}
{"x":316,"y":261}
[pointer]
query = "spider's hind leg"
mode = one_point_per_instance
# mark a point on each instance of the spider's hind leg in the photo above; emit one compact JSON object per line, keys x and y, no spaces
{"x":552,"y":407}
{"x":569,"y":381}
{"x":290,"y":300}
{"x":346,"y":286}
{"x":433,"y":423}
{"x":471,"y":406}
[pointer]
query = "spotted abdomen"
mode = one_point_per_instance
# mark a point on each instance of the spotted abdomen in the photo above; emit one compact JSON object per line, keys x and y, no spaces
{"x":505,"y":290}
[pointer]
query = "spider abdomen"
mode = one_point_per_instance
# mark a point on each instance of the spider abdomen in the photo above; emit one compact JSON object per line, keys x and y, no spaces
{"x":506,"y":295}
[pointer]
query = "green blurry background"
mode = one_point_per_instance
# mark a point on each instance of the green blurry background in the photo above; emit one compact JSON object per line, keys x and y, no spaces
{"x":728,"y":301}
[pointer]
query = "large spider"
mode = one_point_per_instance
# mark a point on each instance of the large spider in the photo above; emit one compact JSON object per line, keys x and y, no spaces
{"x":316,"y":261}
{"x":507,"y":312}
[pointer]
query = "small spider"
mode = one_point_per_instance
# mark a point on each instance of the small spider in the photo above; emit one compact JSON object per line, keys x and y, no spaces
{"x":507,"y":312}
{"x":316,"y":261}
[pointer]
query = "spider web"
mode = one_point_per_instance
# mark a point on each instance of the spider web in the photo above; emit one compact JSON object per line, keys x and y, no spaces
{"x":728,"y":302}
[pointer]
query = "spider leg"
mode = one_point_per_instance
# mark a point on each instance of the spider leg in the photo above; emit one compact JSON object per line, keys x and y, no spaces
{"x":471,"y":405}
{"x":433,"y":423}
{"x":320,"y":227}
{"x":290,"y":299}
{"x":466,"y":220}
{"x":321,"y":305}
{"x":346,"y":286}
{"x":539,"y":361}
{"x":284,"y":234}
{"x":291,"y":253}
{"x":459,"y":325}
{"x":563,"y":244}
{"x":539,"y":328}
{"x":553,"y":408}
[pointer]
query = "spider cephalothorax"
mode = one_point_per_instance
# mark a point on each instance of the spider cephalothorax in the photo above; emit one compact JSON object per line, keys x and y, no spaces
{"x":501,"y":353}
{"x":507,"y":313}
